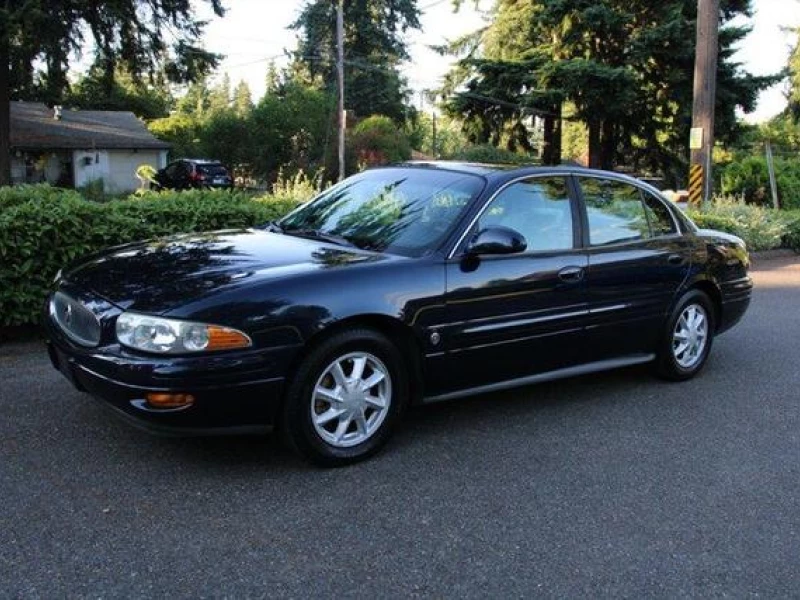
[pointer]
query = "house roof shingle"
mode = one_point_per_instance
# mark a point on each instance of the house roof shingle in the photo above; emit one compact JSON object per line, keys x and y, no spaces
{"x":33,"y":127}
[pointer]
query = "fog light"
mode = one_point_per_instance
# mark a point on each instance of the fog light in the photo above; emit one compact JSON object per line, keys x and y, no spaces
{"x":160,"y":400}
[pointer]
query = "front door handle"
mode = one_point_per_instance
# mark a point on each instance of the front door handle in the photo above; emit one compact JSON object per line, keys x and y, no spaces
{"x":675,"y":259}
{"x":571,"y":274}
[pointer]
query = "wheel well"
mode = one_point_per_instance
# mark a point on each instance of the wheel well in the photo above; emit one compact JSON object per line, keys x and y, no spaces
{"x":400,"y":334}
{"x":711,"y":290}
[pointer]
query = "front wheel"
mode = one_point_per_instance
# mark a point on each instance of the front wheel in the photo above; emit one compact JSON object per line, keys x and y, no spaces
{"x":688,"y":337}
{"x":346,"y":398}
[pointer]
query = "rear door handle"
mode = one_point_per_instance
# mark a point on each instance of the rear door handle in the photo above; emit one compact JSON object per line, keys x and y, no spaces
{"x":675,"y":259}
{"x":571,"y":274}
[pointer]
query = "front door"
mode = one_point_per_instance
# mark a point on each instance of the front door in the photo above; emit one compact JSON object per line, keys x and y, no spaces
{"x":509,"y":317}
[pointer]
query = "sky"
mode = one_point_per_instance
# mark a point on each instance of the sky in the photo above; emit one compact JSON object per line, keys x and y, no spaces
{"x":253,"y":32}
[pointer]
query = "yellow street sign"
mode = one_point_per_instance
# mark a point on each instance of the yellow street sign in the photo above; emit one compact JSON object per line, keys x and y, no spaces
{"x":696,"y":138}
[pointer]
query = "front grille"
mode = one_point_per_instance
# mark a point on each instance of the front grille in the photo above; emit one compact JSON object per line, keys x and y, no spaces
{"x":75,"y":320}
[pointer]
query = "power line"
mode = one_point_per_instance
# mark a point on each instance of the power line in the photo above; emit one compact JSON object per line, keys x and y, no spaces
{"x":432,"y":4}
{"x":507,"y":103}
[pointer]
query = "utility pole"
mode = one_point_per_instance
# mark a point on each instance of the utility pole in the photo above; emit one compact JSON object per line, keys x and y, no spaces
{"x":5,"y":109}
{"x":705,"y":91}
{"x":340,"y":80}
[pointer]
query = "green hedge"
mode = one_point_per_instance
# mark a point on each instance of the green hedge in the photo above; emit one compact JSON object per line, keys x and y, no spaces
{"x":761,"y":228}
{"x":44,"y":228}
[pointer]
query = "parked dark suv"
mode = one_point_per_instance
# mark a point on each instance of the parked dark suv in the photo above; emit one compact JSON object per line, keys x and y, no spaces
{"x":194,"y":173}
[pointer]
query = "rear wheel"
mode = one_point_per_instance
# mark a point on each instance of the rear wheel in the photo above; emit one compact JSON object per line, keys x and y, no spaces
{"x":688,"y":337}
{"x":346,"y":398}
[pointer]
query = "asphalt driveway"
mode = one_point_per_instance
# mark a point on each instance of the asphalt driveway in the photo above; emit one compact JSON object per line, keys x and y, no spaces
{"x":609,"y":485}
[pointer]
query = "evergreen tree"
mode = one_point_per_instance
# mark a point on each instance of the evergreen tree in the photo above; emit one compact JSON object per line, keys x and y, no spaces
{"x":625,"y":67}
{"x":149,"y":100}
{"x":242,"y":99}
{"x":219,"y":96}
{"x":374,"y":48}
{"x":794,"y":79}
{"x":273,"y":78}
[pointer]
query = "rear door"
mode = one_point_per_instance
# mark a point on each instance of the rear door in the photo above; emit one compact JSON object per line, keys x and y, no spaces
{"x":508,"y":317}
{"x":637,"y":262}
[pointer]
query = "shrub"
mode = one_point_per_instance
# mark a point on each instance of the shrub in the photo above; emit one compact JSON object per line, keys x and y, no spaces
{"x":761,"y":228}
{"x":11,"y":196}
{"x":301,"y":187}
{"x":749,"y":178}
{"x":94,"y":190}
{"x":791,"y":239}
{"x":48,"y":229}
{"x":377,"y":140}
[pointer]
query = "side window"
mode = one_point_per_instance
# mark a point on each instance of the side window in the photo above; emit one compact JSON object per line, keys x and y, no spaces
{"x":172,"y":169}
{"x":661,"y":221}
{"x":538,"y":208}
{"x":615,"y":210}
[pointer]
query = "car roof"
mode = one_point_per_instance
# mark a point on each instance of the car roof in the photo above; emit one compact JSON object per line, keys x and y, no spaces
{"x":200,"y":161}
{"x":506,"y":171}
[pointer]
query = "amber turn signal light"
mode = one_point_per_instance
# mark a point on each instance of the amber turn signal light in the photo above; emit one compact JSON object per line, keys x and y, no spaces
{"x":161,"y":400}
{"x":222,"y":338}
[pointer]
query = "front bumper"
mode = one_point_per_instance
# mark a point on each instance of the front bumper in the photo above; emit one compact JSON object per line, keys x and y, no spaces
{"x":234,"y":392}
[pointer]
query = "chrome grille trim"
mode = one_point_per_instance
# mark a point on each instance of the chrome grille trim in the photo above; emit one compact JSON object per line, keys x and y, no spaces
{"x":76,"y":321}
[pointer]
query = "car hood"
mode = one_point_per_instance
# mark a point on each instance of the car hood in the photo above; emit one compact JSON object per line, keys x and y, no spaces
{"x":160,"y":275}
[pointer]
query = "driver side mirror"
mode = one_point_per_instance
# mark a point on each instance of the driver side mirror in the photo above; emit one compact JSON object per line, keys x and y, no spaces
{"x":497,"y":240}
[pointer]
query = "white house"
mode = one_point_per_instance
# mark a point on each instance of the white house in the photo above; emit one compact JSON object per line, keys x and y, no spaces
{"x":72,"y":148}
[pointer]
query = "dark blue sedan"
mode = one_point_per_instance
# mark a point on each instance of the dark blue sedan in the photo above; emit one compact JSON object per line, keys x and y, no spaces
{"x":400,"y":285}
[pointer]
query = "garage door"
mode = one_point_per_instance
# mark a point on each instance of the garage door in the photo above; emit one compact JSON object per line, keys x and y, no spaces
{"x":122,"y":169}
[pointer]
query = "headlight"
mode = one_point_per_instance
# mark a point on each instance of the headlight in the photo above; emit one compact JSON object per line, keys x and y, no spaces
{"x":170,"y":336}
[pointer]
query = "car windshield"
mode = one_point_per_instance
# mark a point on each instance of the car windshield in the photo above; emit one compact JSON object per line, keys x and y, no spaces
{"x":406,"y":211}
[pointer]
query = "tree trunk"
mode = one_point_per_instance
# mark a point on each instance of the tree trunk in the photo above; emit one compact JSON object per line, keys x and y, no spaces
{"x":548,"y":140}
{"x":557,"y":133}
{"x":5,"y":109}
{"x":608,"y":145}
{"x":595,"y":150}
{"x":551,"y":146}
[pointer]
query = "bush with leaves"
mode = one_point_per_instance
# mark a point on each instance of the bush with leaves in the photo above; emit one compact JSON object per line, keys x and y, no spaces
{"x":761,"y":228}
{"x":15,"y":195}
{"x":42,"y":229}
{"x":749,"y":179}
{"x":377,"y":140}
{"x":299,"y":187}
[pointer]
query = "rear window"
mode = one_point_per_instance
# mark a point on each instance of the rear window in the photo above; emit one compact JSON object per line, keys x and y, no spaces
{"x":212,"y":170}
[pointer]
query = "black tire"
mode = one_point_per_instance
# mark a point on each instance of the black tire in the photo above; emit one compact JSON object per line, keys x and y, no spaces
{"x":668,"y":363}
{"x":298,"y":427}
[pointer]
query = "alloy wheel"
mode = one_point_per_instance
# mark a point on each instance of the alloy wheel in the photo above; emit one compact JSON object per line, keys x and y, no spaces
{"x":690,"y":337}
{"x":351,"y":399}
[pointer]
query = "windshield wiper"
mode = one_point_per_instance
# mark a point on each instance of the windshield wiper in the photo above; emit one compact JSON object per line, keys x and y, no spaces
{"x":270,"y":226}
{"x":316,"y":234}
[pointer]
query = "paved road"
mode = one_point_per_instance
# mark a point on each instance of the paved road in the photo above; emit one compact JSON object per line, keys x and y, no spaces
{"x":616,"y":484}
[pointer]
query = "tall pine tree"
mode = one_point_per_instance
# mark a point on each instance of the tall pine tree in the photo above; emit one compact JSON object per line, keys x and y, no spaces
{"x":374,"y":49}
{"x":624,"y":65}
